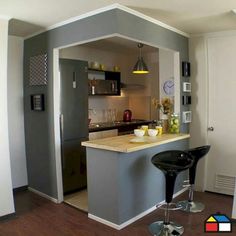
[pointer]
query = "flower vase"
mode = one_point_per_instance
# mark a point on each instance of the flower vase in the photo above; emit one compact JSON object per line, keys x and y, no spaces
{"x":165,"y":123}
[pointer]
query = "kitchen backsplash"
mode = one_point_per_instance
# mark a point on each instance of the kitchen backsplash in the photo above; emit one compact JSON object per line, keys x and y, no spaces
{"x":99,"y":107}
{"x":107,"y":109}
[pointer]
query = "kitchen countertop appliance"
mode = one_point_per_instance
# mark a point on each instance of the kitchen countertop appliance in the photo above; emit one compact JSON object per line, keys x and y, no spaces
{"x":127,"y":116}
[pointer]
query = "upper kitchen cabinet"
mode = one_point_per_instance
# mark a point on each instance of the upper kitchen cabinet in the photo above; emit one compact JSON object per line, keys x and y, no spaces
{"x":103,"y":82}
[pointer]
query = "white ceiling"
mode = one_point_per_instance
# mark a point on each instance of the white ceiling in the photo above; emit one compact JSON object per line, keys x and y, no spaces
{"x":119,"y":45}
{"x":190,"y":16}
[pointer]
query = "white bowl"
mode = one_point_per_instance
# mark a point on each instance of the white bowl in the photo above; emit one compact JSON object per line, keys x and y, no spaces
{"x":139,"y":132}
{"x":152,"y":132}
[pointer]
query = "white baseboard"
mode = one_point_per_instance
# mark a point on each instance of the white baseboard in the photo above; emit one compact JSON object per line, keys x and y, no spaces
{"x":105,"y":222}
{"x":43,"y":195}
{"x":132,"y":220}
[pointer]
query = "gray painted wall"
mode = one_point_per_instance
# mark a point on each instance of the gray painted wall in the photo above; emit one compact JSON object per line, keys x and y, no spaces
{"x":39,"y":129}
{"x":123,"y":185}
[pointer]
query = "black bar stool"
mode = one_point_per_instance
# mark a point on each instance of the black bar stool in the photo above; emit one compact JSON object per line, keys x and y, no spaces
{"x":190,"y":205}
{"x":171,"y":163}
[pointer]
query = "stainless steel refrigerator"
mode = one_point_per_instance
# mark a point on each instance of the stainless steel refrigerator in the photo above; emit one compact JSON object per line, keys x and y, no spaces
{"x":74,"y":123}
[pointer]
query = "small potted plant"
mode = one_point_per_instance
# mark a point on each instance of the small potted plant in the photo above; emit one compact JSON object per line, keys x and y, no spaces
{"x":165,"y":106}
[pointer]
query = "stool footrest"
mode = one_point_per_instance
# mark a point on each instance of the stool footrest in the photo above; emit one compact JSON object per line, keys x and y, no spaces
{"x":158,"y":228}
{"x":191,"y":206}
{"x":186,"y":185}
{"x":172,"y":206}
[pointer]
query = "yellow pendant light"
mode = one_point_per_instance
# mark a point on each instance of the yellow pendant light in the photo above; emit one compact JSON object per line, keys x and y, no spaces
{"x":140,"y":66}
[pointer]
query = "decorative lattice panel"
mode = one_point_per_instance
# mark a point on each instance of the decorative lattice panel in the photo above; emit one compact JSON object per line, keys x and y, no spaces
{"x":38,"y":70}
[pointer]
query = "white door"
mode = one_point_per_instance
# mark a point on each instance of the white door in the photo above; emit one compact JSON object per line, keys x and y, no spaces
{"x":221,"y":161}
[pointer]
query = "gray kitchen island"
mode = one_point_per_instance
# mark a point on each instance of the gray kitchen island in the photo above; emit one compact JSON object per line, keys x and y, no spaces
{"x":123,"y":185}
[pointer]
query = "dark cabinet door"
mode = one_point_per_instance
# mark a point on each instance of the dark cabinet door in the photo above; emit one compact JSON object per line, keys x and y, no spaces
{"x":108,"y":86}
{"x":74,"y":98}
{"x":74,"y":165}
{"x":115,"y":85}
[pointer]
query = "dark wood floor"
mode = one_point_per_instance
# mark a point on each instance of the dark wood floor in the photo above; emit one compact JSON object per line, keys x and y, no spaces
{"x":38,"y":216}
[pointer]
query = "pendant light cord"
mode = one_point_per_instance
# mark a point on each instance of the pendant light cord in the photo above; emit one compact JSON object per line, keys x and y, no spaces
{"x":140,"y":45}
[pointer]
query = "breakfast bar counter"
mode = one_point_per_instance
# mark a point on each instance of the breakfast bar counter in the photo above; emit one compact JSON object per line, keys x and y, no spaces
{"x":131,"y":143}
{"x":122,"y":183}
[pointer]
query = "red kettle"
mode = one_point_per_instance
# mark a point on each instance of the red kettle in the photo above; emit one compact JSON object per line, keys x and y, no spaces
{"x":127,"y":116}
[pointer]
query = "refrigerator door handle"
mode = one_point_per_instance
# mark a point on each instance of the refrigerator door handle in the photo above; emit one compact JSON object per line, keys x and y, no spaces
{"x":62,"y":125}
{"x":74,"y":85}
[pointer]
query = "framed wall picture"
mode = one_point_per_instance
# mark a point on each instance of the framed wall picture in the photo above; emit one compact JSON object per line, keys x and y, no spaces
{"x":185,"y":69}
{"x":187,"y":117}
{"x":186,"y":87}
{"x":186,"y":100}
{"x":37,"y":102}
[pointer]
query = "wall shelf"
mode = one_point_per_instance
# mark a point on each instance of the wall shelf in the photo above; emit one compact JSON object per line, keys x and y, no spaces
{"x":103,"y":83}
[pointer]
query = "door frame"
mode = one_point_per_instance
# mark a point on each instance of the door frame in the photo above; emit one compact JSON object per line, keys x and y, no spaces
{"x":56,"y":101}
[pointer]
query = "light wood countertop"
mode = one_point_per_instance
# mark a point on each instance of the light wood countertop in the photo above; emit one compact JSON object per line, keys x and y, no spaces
{"x":131,"y":143}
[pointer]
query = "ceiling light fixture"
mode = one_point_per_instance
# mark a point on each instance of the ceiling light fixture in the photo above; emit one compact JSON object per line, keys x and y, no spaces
{"x":140,"y":66}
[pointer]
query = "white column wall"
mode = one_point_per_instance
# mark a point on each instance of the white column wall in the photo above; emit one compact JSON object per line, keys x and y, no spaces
{"x":16,"y":112}
{"x":198,"y":127}
{"x":6,"y":196}
{"x":168,"y":71}
{"x":166,"y":68}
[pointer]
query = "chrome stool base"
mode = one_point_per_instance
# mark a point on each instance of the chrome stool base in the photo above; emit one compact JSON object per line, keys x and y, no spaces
{"x":158,"y":228}
{"x":193,"y":207}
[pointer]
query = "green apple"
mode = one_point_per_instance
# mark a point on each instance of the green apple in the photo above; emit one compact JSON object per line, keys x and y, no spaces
{"x":176,"y":121}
